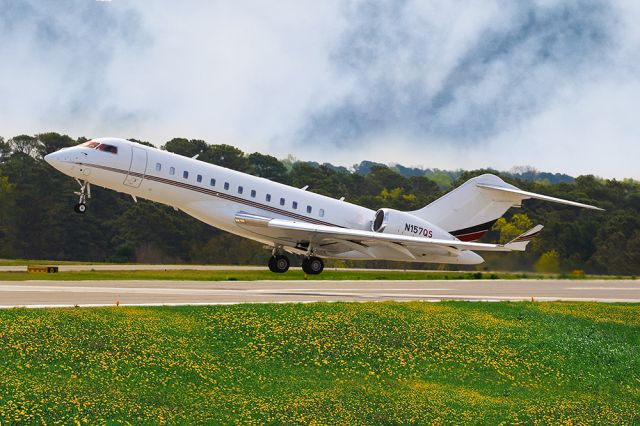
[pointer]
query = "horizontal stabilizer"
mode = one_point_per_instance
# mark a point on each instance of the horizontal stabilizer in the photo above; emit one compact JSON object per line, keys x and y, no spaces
{"x":522,"y":195}
{"x":520,"y":243}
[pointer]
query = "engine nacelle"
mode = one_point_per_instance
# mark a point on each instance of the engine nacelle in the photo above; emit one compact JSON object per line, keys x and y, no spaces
{"x":390,"y":221}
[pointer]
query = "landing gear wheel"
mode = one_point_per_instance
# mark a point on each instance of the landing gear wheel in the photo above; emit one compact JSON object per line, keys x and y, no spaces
{"x":80,"y":208}
{"x":84,"y":194}
{"x":312,"y":265}
{"x":279,"y":264}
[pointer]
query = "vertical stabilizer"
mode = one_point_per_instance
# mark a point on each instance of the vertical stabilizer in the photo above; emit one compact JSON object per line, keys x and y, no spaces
{"x":471,"y":209}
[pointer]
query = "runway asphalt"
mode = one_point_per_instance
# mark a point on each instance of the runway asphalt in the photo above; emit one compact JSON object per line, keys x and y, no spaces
{"x":150,"y":293}
{"x":183,"y":267}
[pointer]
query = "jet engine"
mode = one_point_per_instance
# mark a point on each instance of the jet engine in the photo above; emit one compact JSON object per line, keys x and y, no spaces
{"x":390,"y":221}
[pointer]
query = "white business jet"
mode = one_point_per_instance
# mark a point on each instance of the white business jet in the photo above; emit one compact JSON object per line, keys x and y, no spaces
{"x":297,"y":221}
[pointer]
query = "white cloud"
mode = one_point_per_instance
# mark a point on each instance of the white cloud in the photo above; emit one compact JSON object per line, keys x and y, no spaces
{"x":441,"y":84}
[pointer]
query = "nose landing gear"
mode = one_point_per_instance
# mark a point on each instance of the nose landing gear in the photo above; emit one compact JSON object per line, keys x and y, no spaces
{"x":84,"y":194}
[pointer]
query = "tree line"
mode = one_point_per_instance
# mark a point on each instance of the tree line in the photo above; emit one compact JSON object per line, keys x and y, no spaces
{"x":37,"y":219}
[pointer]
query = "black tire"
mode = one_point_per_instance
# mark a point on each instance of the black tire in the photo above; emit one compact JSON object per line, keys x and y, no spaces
{"x":279,"y":264}
{"x":80,"y":208}
{"x":312,"y":265}
{"x":272,"y":264}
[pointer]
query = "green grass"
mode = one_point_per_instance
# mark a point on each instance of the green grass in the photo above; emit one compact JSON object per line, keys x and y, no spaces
{"x":338,"y":363}
{"x":253,"y":275}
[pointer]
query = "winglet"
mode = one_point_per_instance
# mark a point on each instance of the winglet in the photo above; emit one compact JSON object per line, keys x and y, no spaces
{"x":520,"y":243}
{"x":519,"y":195}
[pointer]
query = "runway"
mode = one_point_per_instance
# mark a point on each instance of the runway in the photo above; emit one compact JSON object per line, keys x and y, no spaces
{"x":150,"y":293}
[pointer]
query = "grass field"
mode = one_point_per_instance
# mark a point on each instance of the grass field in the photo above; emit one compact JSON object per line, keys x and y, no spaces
{"x":252,"y":275}
{"x":346,"y":363}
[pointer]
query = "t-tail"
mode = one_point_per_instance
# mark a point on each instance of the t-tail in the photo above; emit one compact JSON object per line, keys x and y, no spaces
{"x":470,"y":210}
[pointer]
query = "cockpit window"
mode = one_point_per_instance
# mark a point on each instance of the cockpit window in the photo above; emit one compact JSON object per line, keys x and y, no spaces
{"x":101,"y":146}
{"x":108,"y":148}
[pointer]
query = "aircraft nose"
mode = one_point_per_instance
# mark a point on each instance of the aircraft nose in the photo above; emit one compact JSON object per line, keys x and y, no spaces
{"x":56,"y":160}
{"x":53,"y":158}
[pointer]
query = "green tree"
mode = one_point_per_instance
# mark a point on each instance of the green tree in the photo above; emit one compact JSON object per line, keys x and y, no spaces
{"x":6,"y":214}
{"x":52,"y":142}
{"x":509,"y":230}
{"x":268,"y":167}
{"x":25,"y":145}
{"x":226,"y":156}
{"x":185,"y":147}
{"x":5,"y":150}
{"x":145,"y":143}
{"x":548,"y":262}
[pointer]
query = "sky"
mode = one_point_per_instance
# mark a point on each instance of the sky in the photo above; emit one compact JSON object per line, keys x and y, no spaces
{"x":438,"y":84}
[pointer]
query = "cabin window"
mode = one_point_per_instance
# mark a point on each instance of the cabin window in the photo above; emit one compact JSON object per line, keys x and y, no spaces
{"x":253,"y":193}
{"x":199,"y":178}
{"x":309,"y":209}
{"x":172,"y":170}
{"x":185,"y":174}
{"x":321,"y":212}
{"x":282,"y":201}
{"x":226,"y":185}
{"x":212,"y":182}
{"x":267,"y":197}
{"x":294,"y":204}
{"x":240,"y":189}
{"x":158,"y":167}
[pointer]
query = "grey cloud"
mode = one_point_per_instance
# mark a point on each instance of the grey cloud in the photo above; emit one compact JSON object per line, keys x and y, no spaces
{"x":66,"y":48}
{"x":502,"y":76}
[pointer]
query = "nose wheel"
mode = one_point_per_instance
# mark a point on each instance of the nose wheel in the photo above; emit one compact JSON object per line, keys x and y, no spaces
{"x":83,"y":194}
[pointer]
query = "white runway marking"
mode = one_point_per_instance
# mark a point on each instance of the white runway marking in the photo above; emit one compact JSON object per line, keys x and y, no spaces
{"x":176,"y":293}
{"x":605,"y":288}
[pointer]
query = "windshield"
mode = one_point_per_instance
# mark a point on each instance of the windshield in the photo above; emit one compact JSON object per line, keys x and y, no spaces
{"x":101,"y":146}
{"x":91,"y":144}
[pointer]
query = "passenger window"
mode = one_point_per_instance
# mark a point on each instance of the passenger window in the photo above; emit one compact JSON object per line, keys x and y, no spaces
{"x":240,"y":189}
{"x":213,"y":182}
{"x":158,"y":167}
{"x":253,"y":193}
{"x":267,"y":197}
{"x":282,"y":201}
{"x":185,"y":174}
{"x":226,"y":185}
{"x":308,"y":209}
{"x":294,"y":204}
{"x":172,"y":170}
{"x":199,"y":178}
{"x":321,"y":212}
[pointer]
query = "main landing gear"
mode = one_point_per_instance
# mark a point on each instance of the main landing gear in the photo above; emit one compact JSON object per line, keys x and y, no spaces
{"x":84,"y":194}
{"x":279,"y":263}
{"x":312,"y":265}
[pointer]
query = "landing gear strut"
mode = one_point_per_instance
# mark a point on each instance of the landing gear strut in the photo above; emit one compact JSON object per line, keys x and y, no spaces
{"x":312,"y":265}
{"x":84,"y":194}
{"x":279,"y":263}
